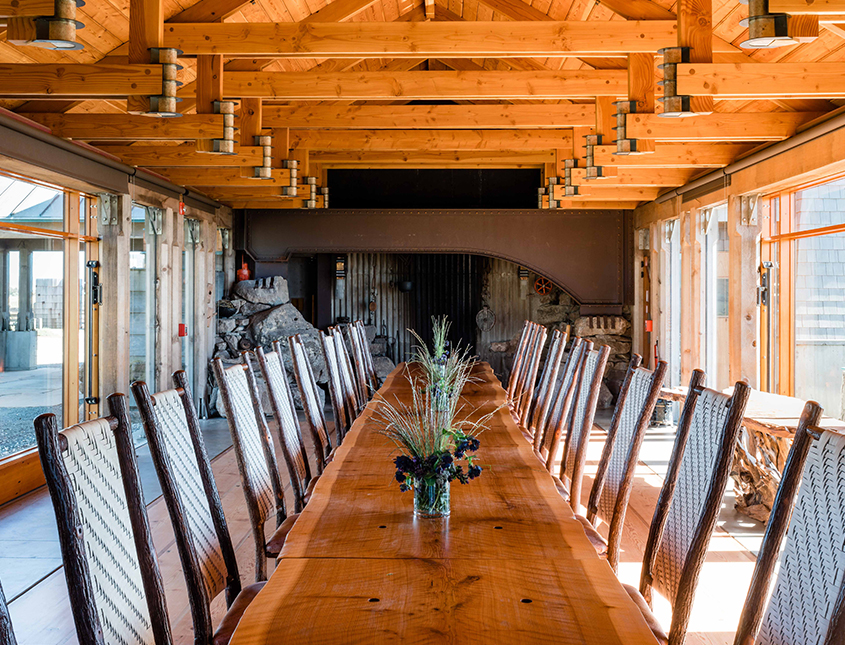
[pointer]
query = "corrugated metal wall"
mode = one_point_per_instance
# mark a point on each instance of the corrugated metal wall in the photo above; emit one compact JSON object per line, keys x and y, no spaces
{"x":374,"y":277}
{"x":475,"y":281}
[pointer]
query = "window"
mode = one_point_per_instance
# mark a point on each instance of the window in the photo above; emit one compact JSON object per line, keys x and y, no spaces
{"x":43,"y":312}
{"x":715,"y":300}
{"x":804,"y":266}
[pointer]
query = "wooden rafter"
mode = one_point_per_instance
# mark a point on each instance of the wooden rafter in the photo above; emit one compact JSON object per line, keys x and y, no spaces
{"x":761,"y":80}
{"x":401,"y":117}
{"x":427,"y":85}
{"x":426,"y":39}
{"x":430,"y":139}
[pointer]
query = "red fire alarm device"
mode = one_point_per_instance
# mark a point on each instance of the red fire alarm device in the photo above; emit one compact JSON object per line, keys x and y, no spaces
{"x":183,"y":330}
{"x":648,"y":325}
{"x":181,"y":207}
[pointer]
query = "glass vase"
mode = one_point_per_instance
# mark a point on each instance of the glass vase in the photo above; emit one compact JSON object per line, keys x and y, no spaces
{"x":431,"y":498}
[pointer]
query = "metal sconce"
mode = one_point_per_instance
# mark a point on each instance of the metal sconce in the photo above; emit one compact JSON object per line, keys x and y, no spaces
{"x":340,"y":276}
{"x":765,"y":30}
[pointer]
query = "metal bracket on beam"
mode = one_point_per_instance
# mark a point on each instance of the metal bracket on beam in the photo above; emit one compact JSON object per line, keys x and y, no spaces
{"x":164,"y":105}
{"x":107,"y":206}
{"x":48,"y":32}
{"x":749,"y":209}
{"x":293,"y":165}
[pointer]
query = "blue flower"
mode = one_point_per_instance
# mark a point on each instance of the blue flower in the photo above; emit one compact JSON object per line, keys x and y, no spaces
{"x":400,"y":476}
{"x":473,"y":471}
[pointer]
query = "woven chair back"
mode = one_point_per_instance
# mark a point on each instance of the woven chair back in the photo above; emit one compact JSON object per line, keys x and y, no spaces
{"x":310,"y":401}
{"x":691,"y":497}
{"x":191,"y":496}
{"x":547,"y":437}
{"x":581,"y":424}
{"x":113,"y":578}
{"x":530,"y":379}
{"x":369,"y":366}
{"x":359,"y":369}
{"x":542,"y":401}
{"x":806,"y":603}
{"x":7,"y":634}
{"x":290,"y":435}
{"x":518,"y":358}
{"x":337,"y":392}
{"x":612,"y":484}
{"x":254,"y":451}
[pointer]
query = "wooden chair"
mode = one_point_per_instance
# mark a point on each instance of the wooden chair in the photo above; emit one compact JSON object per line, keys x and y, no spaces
{"x":337,"y":391}
{"x":806,"y":603}
{"x":580,"y":427}
{"x":347,"y":374}
{"x":358,"y":367}
{"x":529,"y":377}
{"x":256,"y":459}
{"x":113,"y":580}
{"x":311,"y":402}
{"x":193,"y":503}
{"x":518,"y":358}
{"x":547,"y":434}
{"x":369,"y":366}
{"x":689,"y":502}
{"x":612,"y":484}
{"x":7,"y":634}
{"x":290,"y":437}
{"x":542,"y":402}
{"x":524,"y":366}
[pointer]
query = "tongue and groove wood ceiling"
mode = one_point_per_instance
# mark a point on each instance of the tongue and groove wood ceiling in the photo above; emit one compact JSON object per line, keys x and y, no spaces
{"x":472,"y":83}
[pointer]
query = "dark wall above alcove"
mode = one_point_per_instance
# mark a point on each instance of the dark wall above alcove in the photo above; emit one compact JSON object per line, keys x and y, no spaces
{"x":434,"y":188}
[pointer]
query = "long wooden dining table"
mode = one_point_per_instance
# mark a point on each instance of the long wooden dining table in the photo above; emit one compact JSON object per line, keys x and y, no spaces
{"x":510,"y":565}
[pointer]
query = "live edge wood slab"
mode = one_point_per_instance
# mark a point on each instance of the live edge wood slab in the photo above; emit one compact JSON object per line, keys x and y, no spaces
{"x":511,"y":564}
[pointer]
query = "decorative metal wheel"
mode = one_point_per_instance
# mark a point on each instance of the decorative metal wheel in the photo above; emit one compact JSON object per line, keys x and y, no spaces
{"x":485,"y":319}
{"x":543,"y":286}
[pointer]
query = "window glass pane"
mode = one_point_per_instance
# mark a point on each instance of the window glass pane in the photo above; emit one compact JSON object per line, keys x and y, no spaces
{"x":714,"y":280}
{"x":819,"y":206}
{"x":31,"y":339}
{"x":29,"y":204}
{"x":188,"y":282}
{"x":674,"y":358}
{"x":819,"y":291}
{"x":142,"y":307}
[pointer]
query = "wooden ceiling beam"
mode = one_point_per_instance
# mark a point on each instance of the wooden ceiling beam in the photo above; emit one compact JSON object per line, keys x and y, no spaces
{"x":471,"y":39}
{"x":201,"y":177}
{"x":402,"y":117}
{"x":807,"y":7}
{"x":661,"y":177}
{"x":20,"y":80}
{"x":579,"y":203}
{"x":740,"y":126}
{"x":304,"y":86}
{"x":763,"y":80}
{"x":674,"y":155}
{"x":107,"y":127}
{"x":440,"y":159}
{"x":430,"y":139}
{"x":183,"y":155}
{"x":602,"y":192}
{"x":27,"y":8}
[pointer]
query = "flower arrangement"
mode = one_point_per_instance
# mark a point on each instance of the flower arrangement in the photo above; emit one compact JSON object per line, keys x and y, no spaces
{"x":434,"y":435}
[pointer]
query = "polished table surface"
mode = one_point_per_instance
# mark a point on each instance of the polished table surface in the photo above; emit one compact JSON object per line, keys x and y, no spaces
{"x":510,"y":565}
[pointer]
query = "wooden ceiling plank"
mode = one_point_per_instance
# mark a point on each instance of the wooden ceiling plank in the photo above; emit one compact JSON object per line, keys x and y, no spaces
{"x":340,"y":10}
{"x":209,"y":11}
{"x":414,"y":40}
{"x":738,"y":126}
{"x":387,"y":140}
{"x":427,"y":85}
{"x":761,"y":80}
{"x":103,"y":127}
{"x":431,"y":116}
{"x":78,"y":80}
{"x":183,"y":155}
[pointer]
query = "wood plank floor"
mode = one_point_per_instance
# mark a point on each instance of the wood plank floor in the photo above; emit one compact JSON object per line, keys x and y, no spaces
{"x":41,"y":615}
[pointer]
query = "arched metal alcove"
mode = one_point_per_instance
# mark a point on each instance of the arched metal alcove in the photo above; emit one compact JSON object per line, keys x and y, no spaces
{"x":587,"y":252}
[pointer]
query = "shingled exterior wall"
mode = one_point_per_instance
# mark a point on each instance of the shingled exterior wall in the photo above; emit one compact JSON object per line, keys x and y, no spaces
{"x":820,"y":296}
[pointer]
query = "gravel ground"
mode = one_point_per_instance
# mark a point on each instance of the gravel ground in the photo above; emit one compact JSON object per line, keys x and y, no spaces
{"x":16,"y":429}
